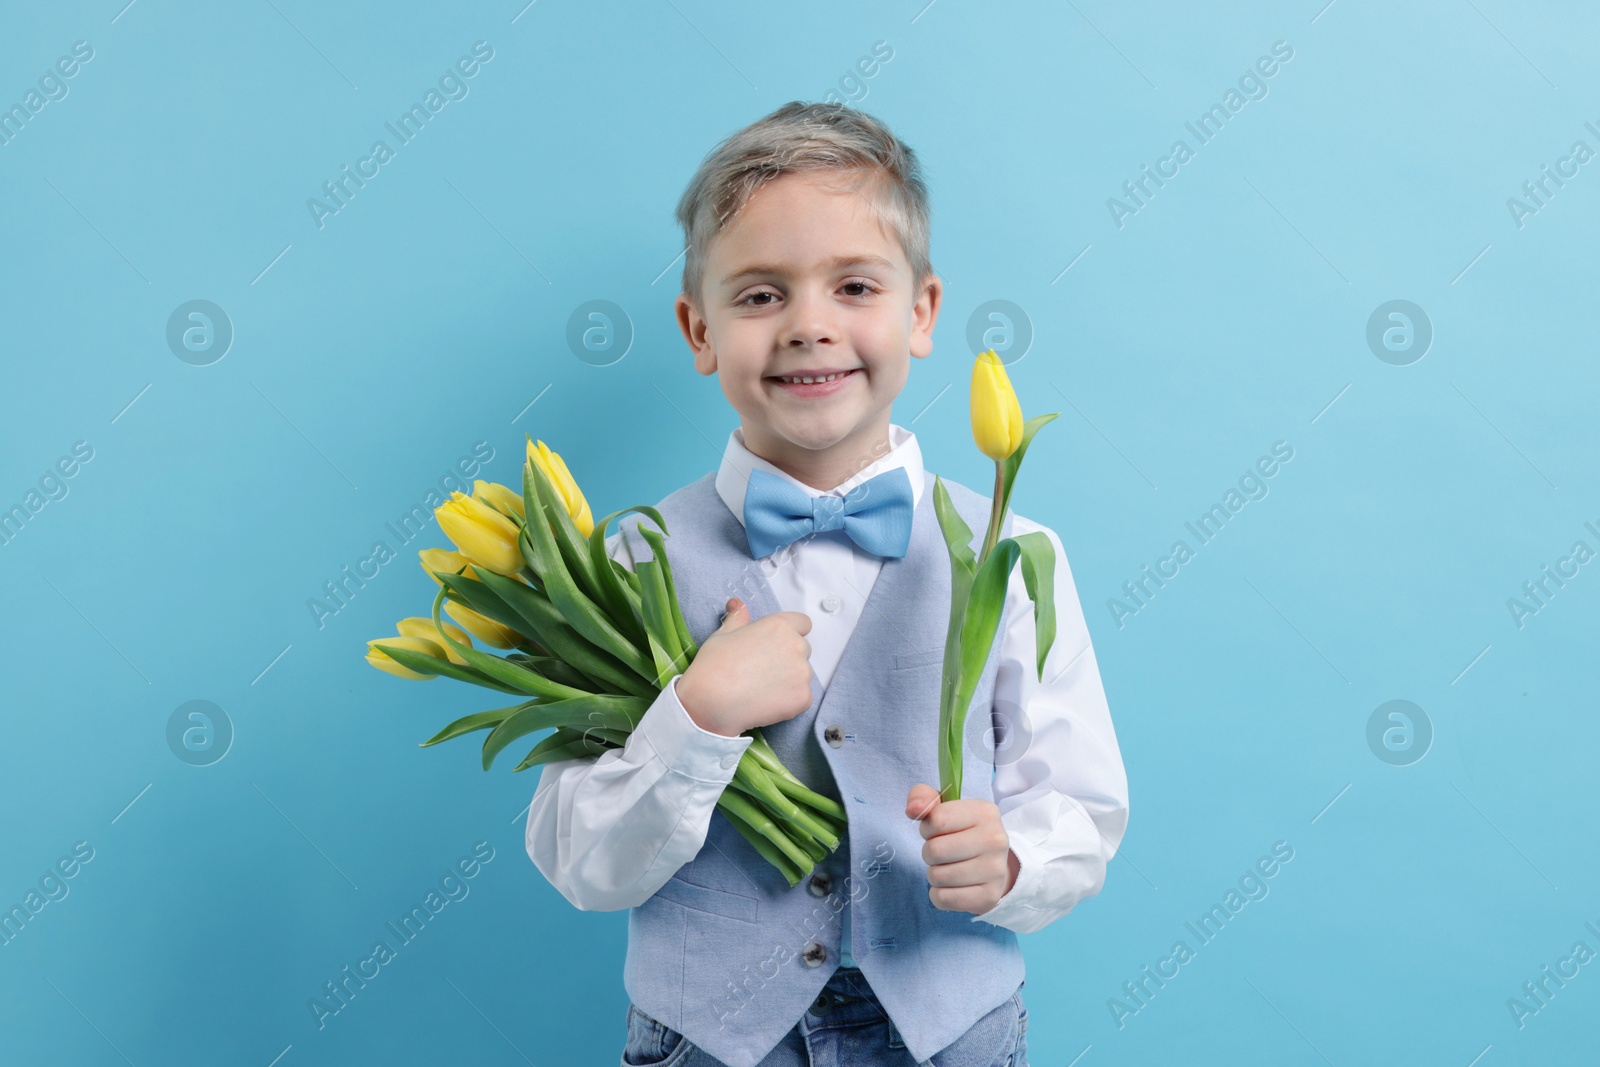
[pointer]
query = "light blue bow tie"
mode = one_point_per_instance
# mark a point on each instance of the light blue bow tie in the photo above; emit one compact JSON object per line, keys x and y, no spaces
{"x":876,"y":514}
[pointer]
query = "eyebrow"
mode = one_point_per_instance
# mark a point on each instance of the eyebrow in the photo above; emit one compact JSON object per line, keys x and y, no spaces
{"x":832,"y":264}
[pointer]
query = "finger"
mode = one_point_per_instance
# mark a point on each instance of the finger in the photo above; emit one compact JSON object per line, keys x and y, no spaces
{"x":947,"y":818}
{"x":956,"y":847}
{"x":978,"y":871}
{"x":736,"y":615}
{"x":975,"y":899}
{"x":957,"y":815}
{"x":921,"y":802}
{"x":799,"y":620}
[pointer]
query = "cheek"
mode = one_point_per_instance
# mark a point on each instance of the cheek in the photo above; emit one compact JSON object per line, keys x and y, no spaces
{"x":882,"y":343}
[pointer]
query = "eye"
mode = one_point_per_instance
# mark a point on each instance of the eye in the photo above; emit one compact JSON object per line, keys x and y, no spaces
{"x":759,"y":292}
{"x":857,"y":283}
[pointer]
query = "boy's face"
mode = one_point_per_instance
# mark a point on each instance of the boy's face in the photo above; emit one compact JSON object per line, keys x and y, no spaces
{"x":804,"y":281}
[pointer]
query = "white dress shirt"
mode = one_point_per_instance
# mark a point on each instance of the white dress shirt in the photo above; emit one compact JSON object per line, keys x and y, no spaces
{"x":608,"y":831}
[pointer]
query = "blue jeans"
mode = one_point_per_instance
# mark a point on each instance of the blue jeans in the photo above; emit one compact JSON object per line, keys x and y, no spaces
{"x":844,"y":1027}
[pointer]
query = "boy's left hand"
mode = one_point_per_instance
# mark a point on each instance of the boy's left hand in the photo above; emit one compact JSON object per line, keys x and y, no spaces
{"x":967,"y":850}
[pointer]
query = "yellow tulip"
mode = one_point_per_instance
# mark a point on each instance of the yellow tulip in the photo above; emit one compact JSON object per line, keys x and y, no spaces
{"x":422,"y":626}
{"x":996,"y":415}
{"x":482,"y":627}
{"x":481,"y":534}
{"x":555,"y":469}
{"x":442,"y":559}
{"x":499,"y":497}
{"x":376,"y":657}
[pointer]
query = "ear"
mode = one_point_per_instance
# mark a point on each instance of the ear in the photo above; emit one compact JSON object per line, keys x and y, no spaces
{"x":924,"y":313}
{"x":696,"y":332}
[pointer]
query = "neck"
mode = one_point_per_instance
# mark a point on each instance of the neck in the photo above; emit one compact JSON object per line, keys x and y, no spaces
{"x":825,"y":468}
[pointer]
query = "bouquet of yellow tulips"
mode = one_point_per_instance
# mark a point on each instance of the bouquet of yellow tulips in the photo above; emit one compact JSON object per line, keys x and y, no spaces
{"x":594,"y":644}
{"x":978,"y":582}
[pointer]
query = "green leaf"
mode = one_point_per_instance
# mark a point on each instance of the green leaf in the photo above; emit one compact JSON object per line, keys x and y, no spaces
{"x":619,"y":598}
{"x":686,"y":642}
{"x":979,"y":621}
{"x":564,"y":744}
{"x":622,"y":582}
{"x":590,"y":711}
{"x":478,"y":721}
{"x":664,"y":649}
{"x":1013,"y":462}
{"x":503,"y":671}
{"x":1038,"y":575}
{"x":556,"y":670}
{"x":545,"y":621}
{"x":581,"y":613}
{"x":573,"y":549}
{"x":957,"y":534}
{"x":466,"y":589}
{"x":424,"y":663}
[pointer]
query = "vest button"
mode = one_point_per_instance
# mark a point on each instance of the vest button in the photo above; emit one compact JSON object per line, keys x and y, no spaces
{"x":818,"y":884}
{"x":834,"y":736}
{"x":815,"y":952}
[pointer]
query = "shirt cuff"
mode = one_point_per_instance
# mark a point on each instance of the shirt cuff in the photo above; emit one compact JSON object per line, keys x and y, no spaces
{"x":1015,"y":910}
{"x":686,"y":747}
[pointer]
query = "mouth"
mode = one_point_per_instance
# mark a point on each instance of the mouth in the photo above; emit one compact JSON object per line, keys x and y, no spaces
{"x":818,"y":383}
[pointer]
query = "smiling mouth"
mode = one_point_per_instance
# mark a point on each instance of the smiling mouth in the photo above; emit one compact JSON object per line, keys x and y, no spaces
{"x":810,"y":379}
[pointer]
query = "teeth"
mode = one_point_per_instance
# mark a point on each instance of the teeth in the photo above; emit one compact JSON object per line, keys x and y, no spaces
{"x":829,"y":378}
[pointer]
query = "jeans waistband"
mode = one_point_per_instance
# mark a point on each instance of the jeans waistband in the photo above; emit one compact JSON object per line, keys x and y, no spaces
{"x":846,"y":1000}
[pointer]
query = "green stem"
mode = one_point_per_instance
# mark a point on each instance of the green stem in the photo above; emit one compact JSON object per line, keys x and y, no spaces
{"x":768,"y":851}
{"x":996,"y":511}
{"x":754,"y":782}
{"x":762,"y":823}
{"x":761,"y":751}
{"x":823,"y":806}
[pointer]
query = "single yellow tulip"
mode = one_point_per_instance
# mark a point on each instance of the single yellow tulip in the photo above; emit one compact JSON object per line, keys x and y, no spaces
{"x":481,"y":534}
{"x":482,"y":627}
{"x":499,"y":497}
{"x":555,"y":469}
{"x":442,"y":559}
{"x":422,"y":626}
{"x":376,"y":657}
{"x":996,"y":415}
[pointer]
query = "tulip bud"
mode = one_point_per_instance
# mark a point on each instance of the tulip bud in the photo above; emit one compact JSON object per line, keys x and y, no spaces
{"x":499,"y":497}
{"x":481,"y":534}
{"x":422,"y":626}
{"x":482,"y":627}
{"x":996,"y":415}
{"x":555,"y":469}
{"x":442,"y":559}
{"x":376,"y":657}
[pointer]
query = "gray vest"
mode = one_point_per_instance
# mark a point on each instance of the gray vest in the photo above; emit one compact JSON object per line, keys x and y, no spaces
{"x":726,"y":952}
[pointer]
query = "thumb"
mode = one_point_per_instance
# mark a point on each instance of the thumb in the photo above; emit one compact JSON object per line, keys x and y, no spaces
{"x":921,"y":801}
{"x":738,"y":614}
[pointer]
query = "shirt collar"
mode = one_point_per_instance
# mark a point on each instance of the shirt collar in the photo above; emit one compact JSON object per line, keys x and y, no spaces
{"x":733,"y":476}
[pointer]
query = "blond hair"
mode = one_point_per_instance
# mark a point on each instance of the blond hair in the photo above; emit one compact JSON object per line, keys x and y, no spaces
{"x":804,"y":137}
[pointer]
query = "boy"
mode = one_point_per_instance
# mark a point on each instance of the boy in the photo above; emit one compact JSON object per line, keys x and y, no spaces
{"x":807,"y":237}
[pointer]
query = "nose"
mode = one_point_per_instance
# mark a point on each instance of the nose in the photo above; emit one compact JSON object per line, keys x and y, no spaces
{"x":809,"y":321}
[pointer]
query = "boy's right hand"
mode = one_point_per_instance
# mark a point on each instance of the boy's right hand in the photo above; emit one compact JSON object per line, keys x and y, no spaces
{"x":749,"y":674}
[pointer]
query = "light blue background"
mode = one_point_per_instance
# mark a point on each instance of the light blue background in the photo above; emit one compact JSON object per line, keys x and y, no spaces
{"x":370,"y":354}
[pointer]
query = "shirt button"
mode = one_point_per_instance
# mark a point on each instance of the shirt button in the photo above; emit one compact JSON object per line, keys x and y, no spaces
{"x":815,"y":952}
{"x":834,"y":736}
{"x":830,"y":603}
{"x":731,"y":760}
